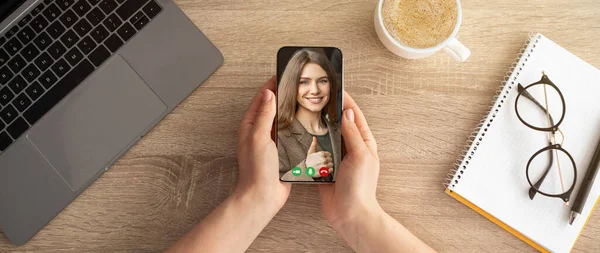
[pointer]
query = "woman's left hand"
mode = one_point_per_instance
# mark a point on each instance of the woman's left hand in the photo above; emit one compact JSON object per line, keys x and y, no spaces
{"x":258,"y":195}
{"x":257,"y":153}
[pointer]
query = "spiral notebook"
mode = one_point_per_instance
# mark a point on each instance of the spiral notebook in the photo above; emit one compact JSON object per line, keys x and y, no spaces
{"x":490,"y":176}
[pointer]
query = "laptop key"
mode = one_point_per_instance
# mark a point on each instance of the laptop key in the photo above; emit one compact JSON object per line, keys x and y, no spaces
{"x":108,"y":6}
{"x":113,"y":43}
{"x":5,"y":140}
{"x":17,"y":128}
{"x":21,"y":102}
{"x":48,"y":79}
{"x":99,"y":56}
{"x":59,"y":91}
{"x":17,"y":84}
{"x":112,"y":22}
{"x":74,"y":56}
{"x":61,"y":67}
{"x":8,"y":114}
{"x":51,"y":12}
{"x":3,"y":56}
{"x":13,"y":46}
{"x":95,"y":16}
{"x":99,"y":34}
{"x":26,"y":35}
{"x":34,"y":91}
{"x":25,"y":20}
{"x":82,"y":27}
{"x":86,"y":45}
{"x":39,"y":23}
{"x":65,"y":4}
{"x":141,"y":23}
{"x":56,"y":30}
{"x":37,"y":9}
{"x":81,"y":8}
{"x":126,"y":31}
{"x":30,"y":52}
{"x":14,"y":30}
{"x":42,"y":41}
{"x":93,"y":2}
{"x":44,"y":61}
{"x":129,"y":8}
{"x":139,"y":20}
{"x":5,"y":96}
{"x":57,"y":50}
{"x":69,"y":18}
{"x":5,"y":75}
{"x":69,"y":39}
{"x":136,"y":17}
{"x":31,"y":72}
{"x":17,"y":64}
{"x":152,"y":9}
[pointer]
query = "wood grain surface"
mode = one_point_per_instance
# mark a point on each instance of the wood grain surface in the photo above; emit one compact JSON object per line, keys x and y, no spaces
{"x":421,"y":113}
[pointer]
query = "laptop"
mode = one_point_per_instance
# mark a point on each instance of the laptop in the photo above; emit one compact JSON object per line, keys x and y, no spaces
{"x":80,"y":83}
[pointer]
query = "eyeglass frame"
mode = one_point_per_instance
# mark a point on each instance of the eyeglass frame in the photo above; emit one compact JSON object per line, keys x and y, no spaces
{"x":545,"y":80}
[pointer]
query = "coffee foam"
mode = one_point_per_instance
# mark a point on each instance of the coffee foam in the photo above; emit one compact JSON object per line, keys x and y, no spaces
{"x":420,"y":23}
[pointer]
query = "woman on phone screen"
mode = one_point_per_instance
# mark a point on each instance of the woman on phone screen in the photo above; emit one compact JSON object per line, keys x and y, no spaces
{"x":308,"y":131}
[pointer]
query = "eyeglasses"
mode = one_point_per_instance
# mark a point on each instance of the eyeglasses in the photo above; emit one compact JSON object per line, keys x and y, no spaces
{"x":543,"y":179}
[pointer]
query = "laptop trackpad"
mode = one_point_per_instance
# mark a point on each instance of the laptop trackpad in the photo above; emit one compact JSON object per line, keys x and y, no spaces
{"x":96,"y":123}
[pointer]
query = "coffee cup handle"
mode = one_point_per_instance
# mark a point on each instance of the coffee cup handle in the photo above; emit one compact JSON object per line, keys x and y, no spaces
{"x":457,"y":50}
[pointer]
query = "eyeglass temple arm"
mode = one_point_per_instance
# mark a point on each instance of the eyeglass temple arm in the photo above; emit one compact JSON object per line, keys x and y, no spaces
{"x":537,"y":184}
{"x":526,"y":94}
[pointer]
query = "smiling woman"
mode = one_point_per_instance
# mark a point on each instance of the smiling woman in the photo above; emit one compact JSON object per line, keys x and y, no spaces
{"x":308,"y":112}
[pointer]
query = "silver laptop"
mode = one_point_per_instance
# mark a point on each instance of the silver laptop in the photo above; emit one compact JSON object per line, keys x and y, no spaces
{"x":81,"y":81}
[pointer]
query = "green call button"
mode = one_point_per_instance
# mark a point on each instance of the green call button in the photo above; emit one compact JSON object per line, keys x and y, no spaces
{"x":310,"y":171}
{"x":296,"y":171}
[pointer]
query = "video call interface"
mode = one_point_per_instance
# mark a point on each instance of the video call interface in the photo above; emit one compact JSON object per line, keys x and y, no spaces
{"x":309,"y":111}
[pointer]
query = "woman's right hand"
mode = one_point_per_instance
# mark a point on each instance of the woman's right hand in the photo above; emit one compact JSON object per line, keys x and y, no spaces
{"x":318,"y":160}
{"x":350,"y":204}
{"x":352,"y":196}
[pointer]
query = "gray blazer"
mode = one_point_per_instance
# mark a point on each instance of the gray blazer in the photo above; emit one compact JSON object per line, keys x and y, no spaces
{"x":293,"y":143}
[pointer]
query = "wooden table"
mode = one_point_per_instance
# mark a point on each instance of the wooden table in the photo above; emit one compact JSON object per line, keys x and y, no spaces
{"x":421,"y":113}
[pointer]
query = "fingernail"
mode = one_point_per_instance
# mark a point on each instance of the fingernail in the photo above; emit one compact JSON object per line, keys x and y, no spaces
{"x":350,"y":115}
{"x":267,"y":96}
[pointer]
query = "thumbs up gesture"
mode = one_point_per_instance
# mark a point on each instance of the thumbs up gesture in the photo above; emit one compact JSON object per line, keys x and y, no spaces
{"x":318,"y":160}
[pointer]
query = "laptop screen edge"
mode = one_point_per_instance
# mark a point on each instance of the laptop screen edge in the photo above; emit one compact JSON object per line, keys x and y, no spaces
{"x":13,"y":16}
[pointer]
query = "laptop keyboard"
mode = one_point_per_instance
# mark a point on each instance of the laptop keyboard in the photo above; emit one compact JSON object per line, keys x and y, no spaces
{"x":54,"y":48}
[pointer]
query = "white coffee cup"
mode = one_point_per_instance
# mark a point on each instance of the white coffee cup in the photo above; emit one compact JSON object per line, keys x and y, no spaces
{"x":451,"y":45}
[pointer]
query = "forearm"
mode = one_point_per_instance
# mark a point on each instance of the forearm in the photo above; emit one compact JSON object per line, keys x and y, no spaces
{"x":377,"y":231}
{"x":231,"y":227}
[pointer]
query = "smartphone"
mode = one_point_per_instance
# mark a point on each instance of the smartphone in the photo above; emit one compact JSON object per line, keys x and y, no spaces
{"x":310,"y":91}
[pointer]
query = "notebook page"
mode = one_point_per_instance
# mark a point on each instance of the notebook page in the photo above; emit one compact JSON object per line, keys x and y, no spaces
{"x":495,"y":178}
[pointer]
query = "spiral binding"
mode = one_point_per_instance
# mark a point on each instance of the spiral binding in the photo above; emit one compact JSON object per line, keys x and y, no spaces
{"x":476,"y":137}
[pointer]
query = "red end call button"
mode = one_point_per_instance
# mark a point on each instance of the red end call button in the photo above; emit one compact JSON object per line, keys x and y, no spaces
{"x":324,"y":171}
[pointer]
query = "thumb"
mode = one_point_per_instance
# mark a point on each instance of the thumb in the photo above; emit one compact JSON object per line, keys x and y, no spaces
{"x":313,"y":146}
{"x":352,"y":138}
{"x":266,"y":114}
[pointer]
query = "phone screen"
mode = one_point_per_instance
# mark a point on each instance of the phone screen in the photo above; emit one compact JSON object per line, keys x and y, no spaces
{"x":309,"y":113}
